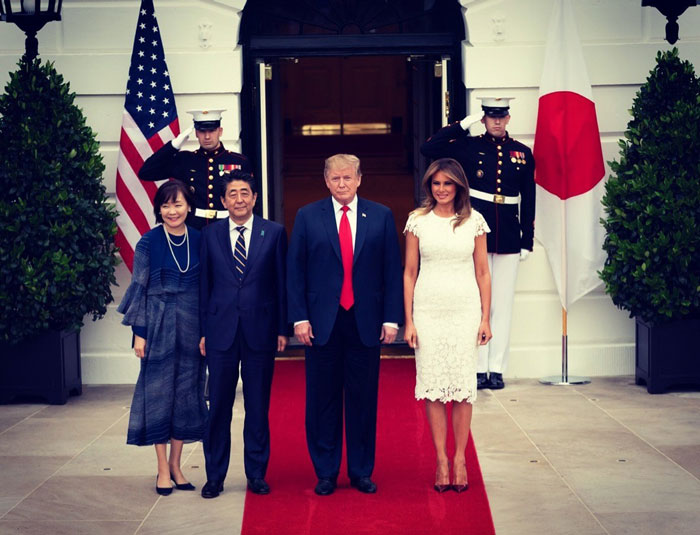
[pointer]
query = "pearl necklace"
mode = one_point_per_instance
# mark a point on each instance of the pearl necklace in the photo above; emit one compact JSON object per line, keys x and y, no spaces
{"x":170,"y":246}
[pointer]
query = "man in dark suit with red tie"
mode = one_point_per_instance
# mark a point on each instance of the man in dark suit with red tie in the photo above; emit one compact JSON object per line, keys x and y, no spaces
{"x":345,"y":297}
{"x":243,"y":320}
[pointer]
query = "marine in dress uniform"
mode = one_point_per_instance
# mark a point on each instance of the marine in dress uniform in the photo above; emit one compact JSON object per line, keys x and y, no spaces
{"x":500,"y":171}
{"x":200,"y":170}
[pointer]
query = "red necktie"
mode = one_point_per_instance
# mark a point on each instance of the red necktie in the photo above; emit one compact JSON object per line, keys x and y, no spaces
{"x":345,"y":235}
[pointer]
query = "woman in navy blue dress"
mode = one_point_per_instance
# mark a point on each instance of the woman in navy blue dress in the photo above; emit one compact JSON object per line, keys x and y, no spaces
{"x":162,"y":307}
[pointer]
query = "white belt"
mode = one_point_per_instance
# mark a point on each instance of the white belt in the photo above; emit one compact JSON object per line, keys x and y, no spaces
{"x":211,"y":214}
{"x":493,"y":197}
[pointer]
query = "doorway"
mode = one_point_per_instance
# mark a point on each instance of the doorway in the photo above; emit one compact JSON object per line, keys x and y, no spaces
{"x":378,"y":107}
{"x":366,"y":78}
{"x":355,"y":105}
{"x":374,"y":79}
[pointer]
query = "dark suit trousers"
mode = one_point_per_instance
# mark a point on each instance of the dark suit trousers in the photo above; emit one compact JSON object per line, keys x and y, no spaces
{"x":342,"y":370}
{"x":256,"y":373}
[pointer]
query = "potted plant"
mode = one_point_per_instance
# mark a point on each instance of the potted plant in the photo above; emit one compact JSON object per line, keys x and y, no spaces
{"x":652,"y":202}
{"x":57,"y":253}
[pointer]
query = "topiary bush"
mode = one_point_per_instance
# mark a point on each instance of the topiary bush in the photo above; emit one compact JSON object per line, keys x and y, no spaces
{"x":652,"y":199}
{"x":57,"y":253}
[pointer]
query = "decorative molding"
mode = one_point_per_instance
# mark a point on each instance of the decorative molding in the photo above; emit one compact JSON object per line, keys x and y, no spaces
{"x":205,"y":32}
{"x":604,"y":61}
{"x":471,"y":3}
{"x":274,"y":18}
{"x":498,"y":26}
{"x":237,"y":5}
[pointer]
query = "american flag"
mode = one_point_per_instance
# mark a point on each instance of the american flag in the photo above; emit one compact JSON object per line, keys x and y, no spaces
{"x":149,"y":121}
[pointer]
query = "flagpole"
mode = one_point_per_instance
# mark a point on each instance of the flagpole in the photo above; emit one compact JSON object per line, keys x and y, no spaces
{"x":564,"y":379}
{"x":564,"y":347}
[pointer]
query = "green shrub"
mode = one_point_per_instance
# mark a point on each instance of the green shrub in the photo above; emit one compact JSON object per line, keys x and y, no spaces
{"x":57,"y":253}
{"x":652,"y":200}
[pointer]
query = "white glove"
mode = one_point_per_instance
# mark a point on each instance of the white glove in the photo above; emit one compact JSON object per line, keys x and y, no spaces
{"x":179,"y":141}
{"x":524,"y":253}
{"x":471,"y":120}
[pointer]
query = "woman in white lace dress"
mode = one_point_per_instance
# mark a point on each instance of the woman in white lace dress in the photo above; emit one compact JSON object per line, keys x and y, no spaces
{"x":447,"y":298}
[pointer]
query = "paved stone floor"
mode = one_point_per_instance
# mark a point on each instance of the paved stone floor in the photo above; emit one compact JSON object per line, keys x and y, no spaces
{"x":603,"y":458}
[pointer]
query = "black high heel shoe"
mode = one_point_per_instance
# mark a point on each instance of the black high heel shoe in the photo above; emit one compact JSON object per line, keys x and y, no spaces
{"x":461,"y":487}
{"x":182,"y":486}
{"x":442,"y":487}
{"x":163,"y":491}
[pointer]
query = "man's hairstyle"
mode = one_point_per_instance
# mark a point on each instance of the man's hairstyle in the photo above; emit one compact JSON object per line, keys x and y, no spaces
{"x":236,"y":174}
{"x":168,"y":193}
{"x":342,"y":160}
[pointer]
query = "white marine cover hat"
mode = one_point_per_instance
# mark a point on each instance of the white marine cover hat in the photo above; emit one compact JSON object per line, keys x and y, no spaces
{"x":206,"y":119}
{"x":495,"y":106}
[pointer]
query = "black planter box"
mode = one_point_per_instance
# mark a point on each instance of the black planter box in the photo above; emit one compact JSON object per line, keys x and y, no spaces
{"x":45,"y":366}
{"x":667,"y":355}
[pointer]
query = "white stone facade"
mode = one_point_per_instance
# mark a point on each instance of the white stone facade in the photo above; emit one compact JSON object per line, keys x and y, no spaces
{"x":91,"y":47}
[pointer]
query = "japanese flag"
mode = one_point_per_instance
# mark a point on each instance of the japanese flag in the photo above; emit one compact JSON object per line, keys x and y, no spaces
{"x":570,"y":168}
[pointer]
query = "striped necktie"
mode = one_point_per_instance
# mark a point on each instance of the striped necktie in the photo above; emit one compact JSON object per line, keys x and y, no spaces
{"x":239,"y":252}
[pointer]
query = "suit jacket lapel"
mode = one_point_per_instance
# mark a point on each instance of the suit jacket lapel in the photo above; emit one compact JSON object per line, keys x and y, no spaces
{"x":224,"y":236}
{"x":361,"y":228}
{"x":257,"y":236}
{"x":328,"y":218}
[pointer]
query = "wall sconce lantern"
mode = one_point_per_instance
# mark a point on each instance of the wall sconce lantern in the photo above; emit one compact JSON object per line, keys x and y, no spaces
{"x":30,"y":16}
{"x":671,"y":9}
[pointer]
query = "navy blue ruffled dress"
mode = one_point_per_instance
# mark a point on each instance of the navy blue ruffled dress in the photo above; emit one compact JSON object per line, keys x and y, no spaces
{"x":162,"y":305}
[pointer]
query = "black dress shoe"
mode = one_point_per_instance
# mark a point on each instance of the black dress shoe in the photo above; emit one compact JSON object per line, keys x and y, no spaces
{"x":496,"y":381}
{"x":258,"y":486}
{"x":212,"y":489}
{"x":163,"y":491}
{"x":325,"y":486}
{"x":481,"y":381}
{"x":182,"y":486}
{"x":364,"y":484}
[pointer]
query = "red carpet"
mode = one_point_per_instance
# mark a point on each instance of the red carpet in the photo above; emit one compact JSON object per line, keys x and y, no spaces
{"x":404,"y":471}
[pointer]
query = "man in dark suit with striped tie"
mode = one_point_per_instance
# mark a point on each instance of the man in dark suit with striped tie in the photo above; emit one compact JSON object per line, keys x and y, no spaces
{"x":243,"y":322}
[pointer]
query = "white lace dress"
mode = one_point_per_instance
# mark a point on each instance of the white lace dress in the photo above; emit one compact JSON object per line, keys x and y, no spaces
{"x":446,"y":307}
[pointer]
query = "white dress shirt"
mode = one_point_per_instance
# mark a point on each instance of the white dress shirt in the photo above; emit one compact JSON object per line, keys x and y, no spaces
{"x":352,"y":217}
{"x":233,"y":233}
